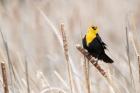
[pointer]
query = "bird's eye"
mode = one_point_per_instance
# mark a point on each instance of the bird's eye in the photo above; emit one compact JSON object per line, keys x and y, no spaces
{"x":94,"y":27}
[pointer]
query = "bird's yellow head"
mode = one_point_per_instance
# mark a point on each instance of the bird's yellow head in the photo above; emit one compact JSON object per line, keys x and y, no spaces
{"x":93,"y":30}
{"x":91,"y":34}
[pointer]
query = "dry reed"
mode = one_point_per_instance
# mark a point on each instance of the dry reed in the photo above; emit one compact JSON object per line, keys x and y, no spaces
{"x":27,"y":76}
{"x":139,"y":66}
{"x":93,"y":60}
{"x":44,"y":81}
{"x":86,"y":71}
{"x":86,"y":75}
{"x":56,"y":32}
{"x":11,"y":69}
{"x":136,"y":50}
{"x":61,"y":79}
{"x":4,"y":74}
{"x":65,"y":46}
{"x":128,"y":56}
{"x":51,"y":90}
{"x":133,"y":38}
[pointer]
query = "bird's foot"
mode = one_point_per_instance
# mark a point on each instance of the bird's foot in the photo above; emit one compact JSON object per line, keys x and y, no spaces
{"x":97,"y":60}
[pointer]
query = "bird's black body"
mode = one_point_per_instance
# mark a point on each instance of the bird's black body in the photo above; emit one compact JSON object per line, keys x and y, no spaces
{"x":96,"y":49}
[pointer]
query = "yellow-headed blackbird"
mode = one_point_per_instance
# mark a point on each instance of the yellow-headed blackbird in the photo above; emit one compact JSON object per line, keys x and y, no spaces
{"x":94,"y":44}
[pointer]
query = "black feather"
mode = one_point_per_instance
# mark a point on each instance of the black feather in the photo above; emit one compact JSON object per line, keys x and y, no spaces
{"x":96,"y":48}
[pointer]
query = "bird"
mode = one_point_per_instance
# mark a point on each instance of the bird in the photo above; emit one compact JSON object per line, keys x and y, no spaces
{"x":93,"y":43}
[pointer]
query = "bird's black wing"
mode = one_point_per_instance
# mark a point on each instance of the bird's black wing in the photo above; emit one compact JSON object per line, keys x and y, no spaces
{"x":84,"y":42}
{"x":100,"y":40}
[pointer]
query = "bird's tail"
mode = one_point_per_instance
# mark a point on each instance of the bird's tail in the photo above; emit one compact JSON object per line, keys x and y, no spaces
{"x":106,"y":58}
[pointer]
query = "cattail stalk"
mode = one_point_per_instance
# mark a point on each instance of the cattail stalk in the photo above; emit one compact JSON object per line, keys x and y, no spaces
{"x":56,"y":32}
{"x":4,"y":75}
{"x":65,"y":46}
{"x":86,"y":73}
{"x":92,"y":60}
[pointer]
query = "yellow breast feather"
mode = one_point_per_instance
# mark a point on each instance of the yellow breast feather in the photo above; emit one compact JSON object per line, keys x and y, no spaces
{"x":90,"y":36}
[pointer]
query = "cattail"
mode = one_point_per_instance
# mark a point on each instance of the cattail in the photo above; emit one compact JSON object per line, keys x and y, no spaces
{"x":86,"y":73}
{"x":65,"y":46}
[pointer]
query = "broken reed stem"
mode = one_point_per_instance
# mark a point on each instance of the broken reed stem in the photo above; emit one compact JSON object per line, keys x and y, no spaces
{"x":65,"y":46}
{"x":128,"y":56}
{"x":92,"y":60}
{"x":4,"y":75}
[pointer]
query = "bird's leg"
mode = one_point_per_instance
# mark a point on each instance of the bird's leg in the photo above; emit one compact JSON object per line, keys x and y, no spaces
{"x":97,"y":60}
